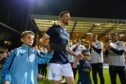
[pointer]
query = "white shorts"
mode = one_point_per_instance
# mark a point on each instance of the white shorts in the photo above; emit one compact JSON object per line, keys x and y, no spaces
{"x":56,"y":71}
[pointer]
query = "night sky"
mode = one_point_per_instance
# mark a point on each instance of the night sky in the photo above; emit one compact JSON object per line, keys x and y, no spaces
{"x":83,"y":8}
{"x":16,"y":13}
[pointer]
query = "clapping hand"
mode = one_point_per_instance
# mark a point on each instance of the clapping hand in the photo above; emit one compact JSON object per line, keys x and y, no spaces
{"x":80,"y":56}
{"x":107,"y":46}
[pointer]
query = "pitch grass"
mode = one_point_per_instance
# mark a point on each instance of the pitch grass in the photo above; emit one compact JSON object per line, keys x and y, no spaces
{"x":106,"y":76}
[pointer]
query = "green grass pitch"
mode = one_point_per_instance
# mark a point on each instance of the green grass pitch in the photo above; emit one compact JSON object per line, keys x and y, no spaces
{"x":106,"y":76}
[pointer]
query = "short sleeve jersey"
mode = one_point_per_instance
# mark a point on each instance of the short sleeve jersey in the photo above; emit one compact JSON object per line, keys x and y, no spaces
{"x":97,"y":57}
{"x":83,"y":68}
{"x":58,"y":41}
{"x":116,"y":59}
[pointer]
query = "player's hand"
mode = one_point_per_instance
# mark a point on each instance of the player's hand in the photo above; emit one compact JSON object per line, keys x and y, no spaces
{"x":74,"y":65}
{"x":6,"y":82}
{"x":80,"y":56}
{"x":109,"y":46}
{"x":90,"y":44}
{"x":36,"y":48}
{"x":48,"y":48}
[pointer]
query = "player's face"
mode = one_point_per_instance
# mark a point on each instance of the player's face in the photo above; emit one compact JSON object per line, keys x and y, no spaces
{"x":94,"y":37}
{"x":65,"y":19}
{"x":28,"y":39}
{"x":113,"y":37}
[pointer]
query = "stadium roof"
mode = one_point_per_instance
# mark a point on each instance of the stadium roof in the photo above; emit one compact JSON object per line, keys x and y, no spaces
{"x":82,"y":26}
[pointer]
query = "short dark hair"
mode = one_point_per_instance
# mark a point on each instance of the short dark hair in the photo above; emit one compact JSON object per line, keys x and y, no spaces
{"x":27,"y":32}
{"x":62,"y":13}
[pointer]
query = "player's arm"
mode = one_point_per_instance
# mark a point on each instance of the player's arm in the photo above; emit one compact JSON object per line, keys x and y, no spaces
{"x":72,"y":53}
{"x":75,"y":63}
{"x":120,"y":52}
{"x":44,"y":58}
{"x":6,"y":69}
{"x":44,"y":40}
{"x":99,"y":48}
{"x":6,"y":82}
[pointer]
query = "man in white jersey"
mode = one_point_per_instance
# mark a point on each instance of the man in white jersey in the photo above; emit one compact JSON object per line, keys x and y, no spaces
{"x":96,"y":49}
{"x":116,"y":49}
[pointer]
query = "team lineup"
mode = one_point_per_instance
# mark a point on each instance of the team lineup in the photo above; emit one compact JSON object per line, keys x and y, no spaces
{"x":63,"y":59}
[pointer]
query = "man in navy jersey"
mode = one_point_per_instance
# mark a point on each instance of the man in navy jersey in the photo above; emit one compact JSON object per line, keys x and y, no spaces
{"x":58,"y":39}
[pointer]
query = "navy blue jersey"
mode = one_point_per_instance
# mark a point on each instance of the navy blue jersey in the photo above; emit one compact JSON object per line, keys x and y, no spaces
{"x":84,"y":72}
{"x":58,"y":41}
{"x":83,"y":68}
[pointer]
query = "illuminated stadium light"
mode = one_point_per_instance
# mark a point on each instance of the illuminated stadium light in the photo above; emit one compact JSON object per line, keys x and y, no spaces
{"x":88,"y":33}
{"x":97,"y":24}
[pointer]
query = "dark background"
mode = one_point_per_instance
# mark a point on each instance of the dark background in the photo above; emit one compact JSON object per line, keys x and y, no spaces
{"x":83,"y":8}
{"x":16,"y":14}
